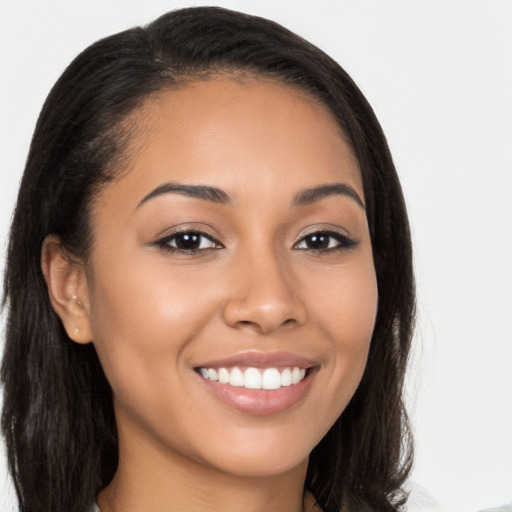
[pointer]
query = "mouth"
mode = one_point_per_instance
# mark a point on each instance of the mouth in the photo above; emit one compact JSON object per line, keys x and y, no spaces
{"x":258,"y":383}
{"x":255,"y":378}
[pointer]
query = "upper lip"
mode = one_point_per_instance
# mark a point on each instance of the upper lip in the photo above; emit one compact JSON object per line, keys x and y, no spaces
{"x":260,"y":360}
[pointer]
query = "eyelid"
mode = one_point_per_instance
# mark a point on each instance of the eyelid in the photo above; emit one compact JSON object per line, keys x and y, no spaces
{"x":192,"y":227}
{"x":324,"y":228}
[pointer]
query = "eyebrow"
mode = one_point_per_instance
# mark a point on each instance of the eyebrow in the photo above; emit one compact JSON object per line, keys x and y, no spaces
{"x":217,"y":195}
{"x":311,"y":195}
{"x":204,"y":192}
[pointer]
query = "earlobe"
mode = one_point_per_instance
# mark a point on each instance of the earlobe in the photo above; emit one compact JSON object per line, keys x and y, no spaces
{"x":67,"y":289}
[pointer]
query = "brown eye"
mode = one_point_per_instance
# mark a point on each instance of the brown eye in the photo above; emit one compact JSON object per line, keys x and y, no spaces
{"x":325,"y":241}
{"x":320,"y":241}
{"x":188,"y":242}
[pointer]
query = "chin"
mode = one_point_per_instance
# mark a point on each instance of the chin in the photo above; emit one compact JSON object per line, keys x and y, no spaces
{"x":262,"y":459}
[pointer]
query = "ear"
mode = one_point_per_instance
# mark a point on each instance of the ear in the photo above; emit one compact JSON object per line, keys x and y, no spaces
{"x":67,"y":289}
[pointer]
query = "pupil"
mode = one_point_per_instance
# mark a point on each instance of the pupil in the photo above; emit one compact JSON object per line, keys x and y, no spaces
{"x":318,"y":242}
{"x":188,"y":241}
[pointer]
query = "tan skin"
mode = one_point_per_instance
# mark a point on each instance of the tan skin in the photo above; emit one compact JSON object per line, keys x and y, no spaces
{"x":255,"y":283}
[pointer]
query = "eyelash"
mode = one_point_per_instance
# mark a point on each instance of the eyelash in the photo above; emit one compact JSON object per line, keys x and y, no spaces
{"x":165,"y":242}
{"x":342,"y":242}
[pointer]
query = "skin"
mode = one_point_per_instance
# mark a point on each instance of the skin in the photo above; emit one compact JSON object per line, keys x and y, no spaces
{"x":155,"y":315}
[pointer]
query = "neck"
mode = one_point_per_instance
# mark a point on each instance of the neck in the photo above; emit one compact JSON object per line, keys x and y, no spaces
{"x":152,"y":477}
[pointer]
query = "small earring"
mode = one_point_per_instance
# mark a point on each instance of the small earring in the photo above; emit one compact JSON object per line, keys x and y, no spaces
{"x":77,"y":330}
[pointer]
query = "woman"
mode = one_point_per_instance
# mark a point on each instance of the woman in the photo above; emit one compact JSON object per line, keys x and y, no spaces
{"x":209,"y":281}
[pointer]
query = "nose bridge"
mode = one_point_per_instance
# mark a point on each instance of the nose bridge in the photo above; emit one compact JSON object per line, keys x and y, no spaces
{"x":264,"y":294}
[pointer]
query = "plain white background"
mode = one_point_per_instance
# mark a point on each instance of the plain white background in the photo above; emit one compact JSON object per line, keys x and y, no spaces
{"x":438,"y":74}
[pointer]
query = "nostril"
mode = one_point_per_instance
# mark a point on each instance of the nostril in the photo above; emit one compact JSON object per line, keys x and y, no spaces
{"x":262,"y":313}
{"x":266,"y":325}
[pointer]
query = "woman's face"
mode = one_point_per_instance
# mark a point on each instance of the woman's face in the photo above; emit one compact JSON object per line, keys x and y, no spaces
{"x":234,"y":246}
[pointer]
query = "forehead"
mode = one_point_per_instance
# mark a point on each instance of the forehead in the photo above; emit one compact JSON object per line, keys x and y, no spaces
{"x":224,"y":131}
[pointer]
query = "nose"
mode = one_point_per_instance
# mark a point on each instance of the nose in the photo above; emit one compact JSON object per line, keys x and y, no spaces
{"x":265,"y":295}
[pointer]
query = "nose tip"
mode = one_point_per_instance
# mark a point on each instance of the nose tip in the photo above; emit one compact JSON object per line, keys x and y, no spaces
{"x":264,"y":301}
{"x":264,"y":318}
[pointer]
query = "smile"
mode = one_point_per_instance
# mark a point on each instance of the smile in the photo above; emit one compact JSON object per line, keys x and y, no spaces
{"x":255,"y":378}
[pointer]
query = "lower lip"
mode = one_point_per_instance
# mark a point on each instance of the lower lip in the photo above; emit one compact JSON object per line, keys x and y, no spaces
{"x":260,"y":402}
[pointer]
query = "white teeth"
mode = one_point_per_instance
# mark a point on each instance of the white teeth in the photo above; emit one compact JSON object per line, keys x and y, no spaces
{"x":223,"y":375}
{"x":252,"y":378}
{"x":286,"y":377}
{"x":271,"y":379}
{"x":255,"y":378}
{"x":236,"y":377}
{"x":295,"y":375}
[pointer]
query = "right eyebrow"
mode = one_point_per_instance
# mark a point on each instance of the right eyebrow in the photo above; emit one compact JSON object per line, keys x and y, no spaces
{"x":311,"y":195}
{"x":204,"y":192}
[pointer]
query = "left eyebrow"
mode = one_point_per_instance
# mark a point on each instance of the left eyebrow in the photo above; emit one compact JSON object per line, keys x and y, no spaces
{"x":204,"y":192}
{"x":311,"y":195}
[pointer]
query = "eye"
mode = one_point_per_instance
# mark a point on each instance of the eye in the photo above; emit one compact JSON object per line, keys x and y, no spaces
{"x":323,"y":241}
{"x":188,"y":241}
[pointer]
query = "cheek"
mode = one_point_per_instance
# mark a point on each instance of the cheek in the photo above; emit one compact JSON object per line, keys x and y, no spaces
{"x":142,"y":317}
{"x":345,"y":302}
{"x":346,"y":308}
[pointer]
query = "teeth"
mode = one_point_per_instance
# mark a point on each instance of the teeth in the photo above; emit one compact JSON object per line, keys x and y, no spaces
{"x":295,"y":375}
{"x":286,"y":377}
{"x":271,"y":379}
{"x":223,"y":375}
{"x":255,"y":378}
{"x":252,"y":378}
{"x":236,"y":378}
